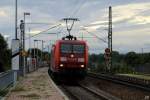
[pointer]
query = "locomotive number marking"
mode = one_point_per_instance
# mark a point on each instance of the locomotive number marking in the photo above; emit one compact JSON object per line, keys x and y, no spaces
{"x":72,"y":59}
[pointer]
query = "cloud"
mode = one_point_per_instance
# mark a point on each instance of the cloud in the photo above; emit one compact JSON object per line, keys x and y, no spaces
{"x":124,"y":14}
{"x":140,"y":20}
{"x":33,"y":32}
{"x":3,"y":13}
{"x":99,"y":22}
{"x":93,"y":28}
{"x":131,"y":19}
{"x":135,"y":38}
{"x":131,"y":13}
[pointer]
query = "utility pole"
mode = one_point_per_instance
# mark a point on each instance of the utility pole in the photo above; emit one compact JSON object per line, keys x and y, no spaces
{"x":16,"y":12}
{"x":49,"y":55}
{"x":24,"y":58}
{"x":22,"y":46}
{"x":37,"y":64}
{"x":110,"y":36}
{"x":142,"y":50}
{"x":82,"y":36}
{"x":42,"y":49}
{"x":34,"y":57}
{"x":30,"y":52}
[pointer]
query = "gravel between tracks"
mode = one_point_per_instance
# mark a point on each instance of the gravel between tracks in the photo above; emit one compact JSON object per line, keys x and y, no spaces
{"x":79,"y":93}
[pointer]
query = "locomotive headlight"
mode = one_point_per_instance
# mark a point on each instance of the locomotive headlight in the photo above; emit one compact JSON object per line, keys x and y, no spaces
{"x":71,"y":55}
{"x":61,"y":65}
{"x":63,"y":59}
{"x":80,"y":59}
{"x":82,"y":66}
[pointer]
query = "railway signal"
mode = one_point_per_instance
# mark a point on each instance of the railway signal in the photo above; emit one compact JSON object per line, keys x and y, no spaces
{"x":107,"y":54}
{"x":107,"y":50}
{"x":107,"y":57}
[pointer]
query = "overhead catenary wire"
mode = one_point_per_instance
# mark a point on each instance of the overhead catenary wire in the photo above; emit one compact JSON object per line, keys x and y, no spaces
{"x":96,"y":36}
{"x":78,"y":8}
{"x":40,"y":23}
{"x":95,"y":49}
{"x":91,"y":25}
{"x":43,"y":24}
{"x":73,"y":14}
{"x":43,"y":31}
{"x":102,"y":36}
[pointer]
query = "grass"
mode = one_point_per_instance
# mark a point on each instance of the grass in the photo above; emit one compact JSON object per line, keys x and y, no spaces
{"x":31,"y":95}
{"x":146,"y":77}
{"x":39,"y":81}
{"x":18,"y":89}
{"x":3,"y":93}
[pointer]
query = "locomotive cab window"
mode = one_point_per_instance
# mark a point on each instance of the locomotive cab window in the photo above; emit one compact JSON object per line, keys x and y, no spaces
{"x":78,"y":48}
{"x":66,"y":48}
{"x":72,"y":48}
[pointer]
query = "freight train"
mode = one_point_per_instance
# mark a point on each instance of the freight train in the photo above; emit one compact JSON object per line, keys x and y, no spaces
{"x":69,"y":59}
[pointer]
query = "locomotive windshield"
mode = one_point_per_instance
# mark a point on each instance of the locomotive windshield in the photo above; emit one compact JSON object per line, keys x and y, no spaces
{"x":78,"y":48}
{"x":66,"y":48}
{"x":72,"y":48}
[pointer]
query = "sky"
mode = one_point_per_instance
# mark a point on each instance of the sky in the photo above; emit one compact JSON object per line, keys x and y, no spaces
{"x":130,"y":18}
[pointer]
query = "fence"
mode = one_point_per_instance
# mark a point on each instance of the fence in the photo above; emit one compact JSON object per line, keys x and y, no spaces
{"x":6,"y":79}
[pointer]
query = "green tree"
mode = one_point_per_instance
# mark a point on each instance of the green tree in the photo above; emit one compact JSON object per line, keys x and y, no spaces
{"x":44,"y":54}
{"x":116,"y":56}
{"x":5,"y":55}
{"x":132,"y":59}
{"x":93,"y":58}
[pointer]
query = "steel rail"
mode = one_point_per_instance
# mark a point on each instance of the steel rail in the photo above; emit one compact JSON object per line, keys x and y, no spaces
{"x":70,"y":93}
{"x":101,"y":94}
{"x":119,"y":81}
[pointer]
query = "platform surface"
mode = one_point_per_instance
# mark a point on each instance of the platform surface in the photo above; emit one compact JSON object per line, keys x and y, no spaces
{"x":36,"y":86}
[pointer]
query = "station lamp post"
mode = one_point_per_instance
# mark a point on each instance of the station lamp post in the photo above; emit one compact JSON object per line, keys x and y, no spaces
{"x":25,"y":13}
{"x":16,"y":12}
{"x":24,"y":42}
{"x":42,"y":50}
{"x":37,"y":51}
{"x":42,"y":41}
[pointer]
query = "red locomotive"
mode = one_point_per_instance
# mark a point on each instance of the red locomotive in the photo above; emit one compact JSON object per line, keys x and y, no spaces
{"x":69,"y":58}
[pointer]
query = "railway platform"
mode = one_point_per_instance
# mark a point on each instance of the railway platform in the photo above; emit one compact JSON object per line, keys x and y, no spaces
{"x":36,"y":86}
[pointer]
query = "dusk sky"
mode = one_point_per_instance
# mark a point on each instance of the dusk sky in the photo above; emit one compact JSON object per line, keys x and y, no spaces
{"x":131,"y":21}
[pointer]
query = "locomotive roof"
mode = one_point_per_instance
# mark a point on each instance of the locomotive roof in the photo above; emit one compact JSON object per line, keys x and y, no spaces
{"x":70,"y":41}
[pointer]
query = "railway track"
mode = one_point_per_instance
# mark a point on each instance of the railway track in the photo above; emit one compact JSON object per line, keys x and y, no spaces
{"x":123,"y":81}
{"x":78,"y":91}
{"x":97,"y":87}
{"x":81,"y":92}
{"x":123,"y":89}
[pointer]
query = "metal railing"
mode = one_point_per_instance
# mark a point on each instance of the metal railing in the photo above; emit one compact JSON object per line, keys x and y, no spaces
{"x":6,"y":79}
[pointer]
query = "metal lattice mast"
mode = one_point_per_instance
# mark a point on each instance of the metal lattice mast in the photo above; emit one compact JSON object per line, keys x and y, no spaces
{"x":110,"y":34}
